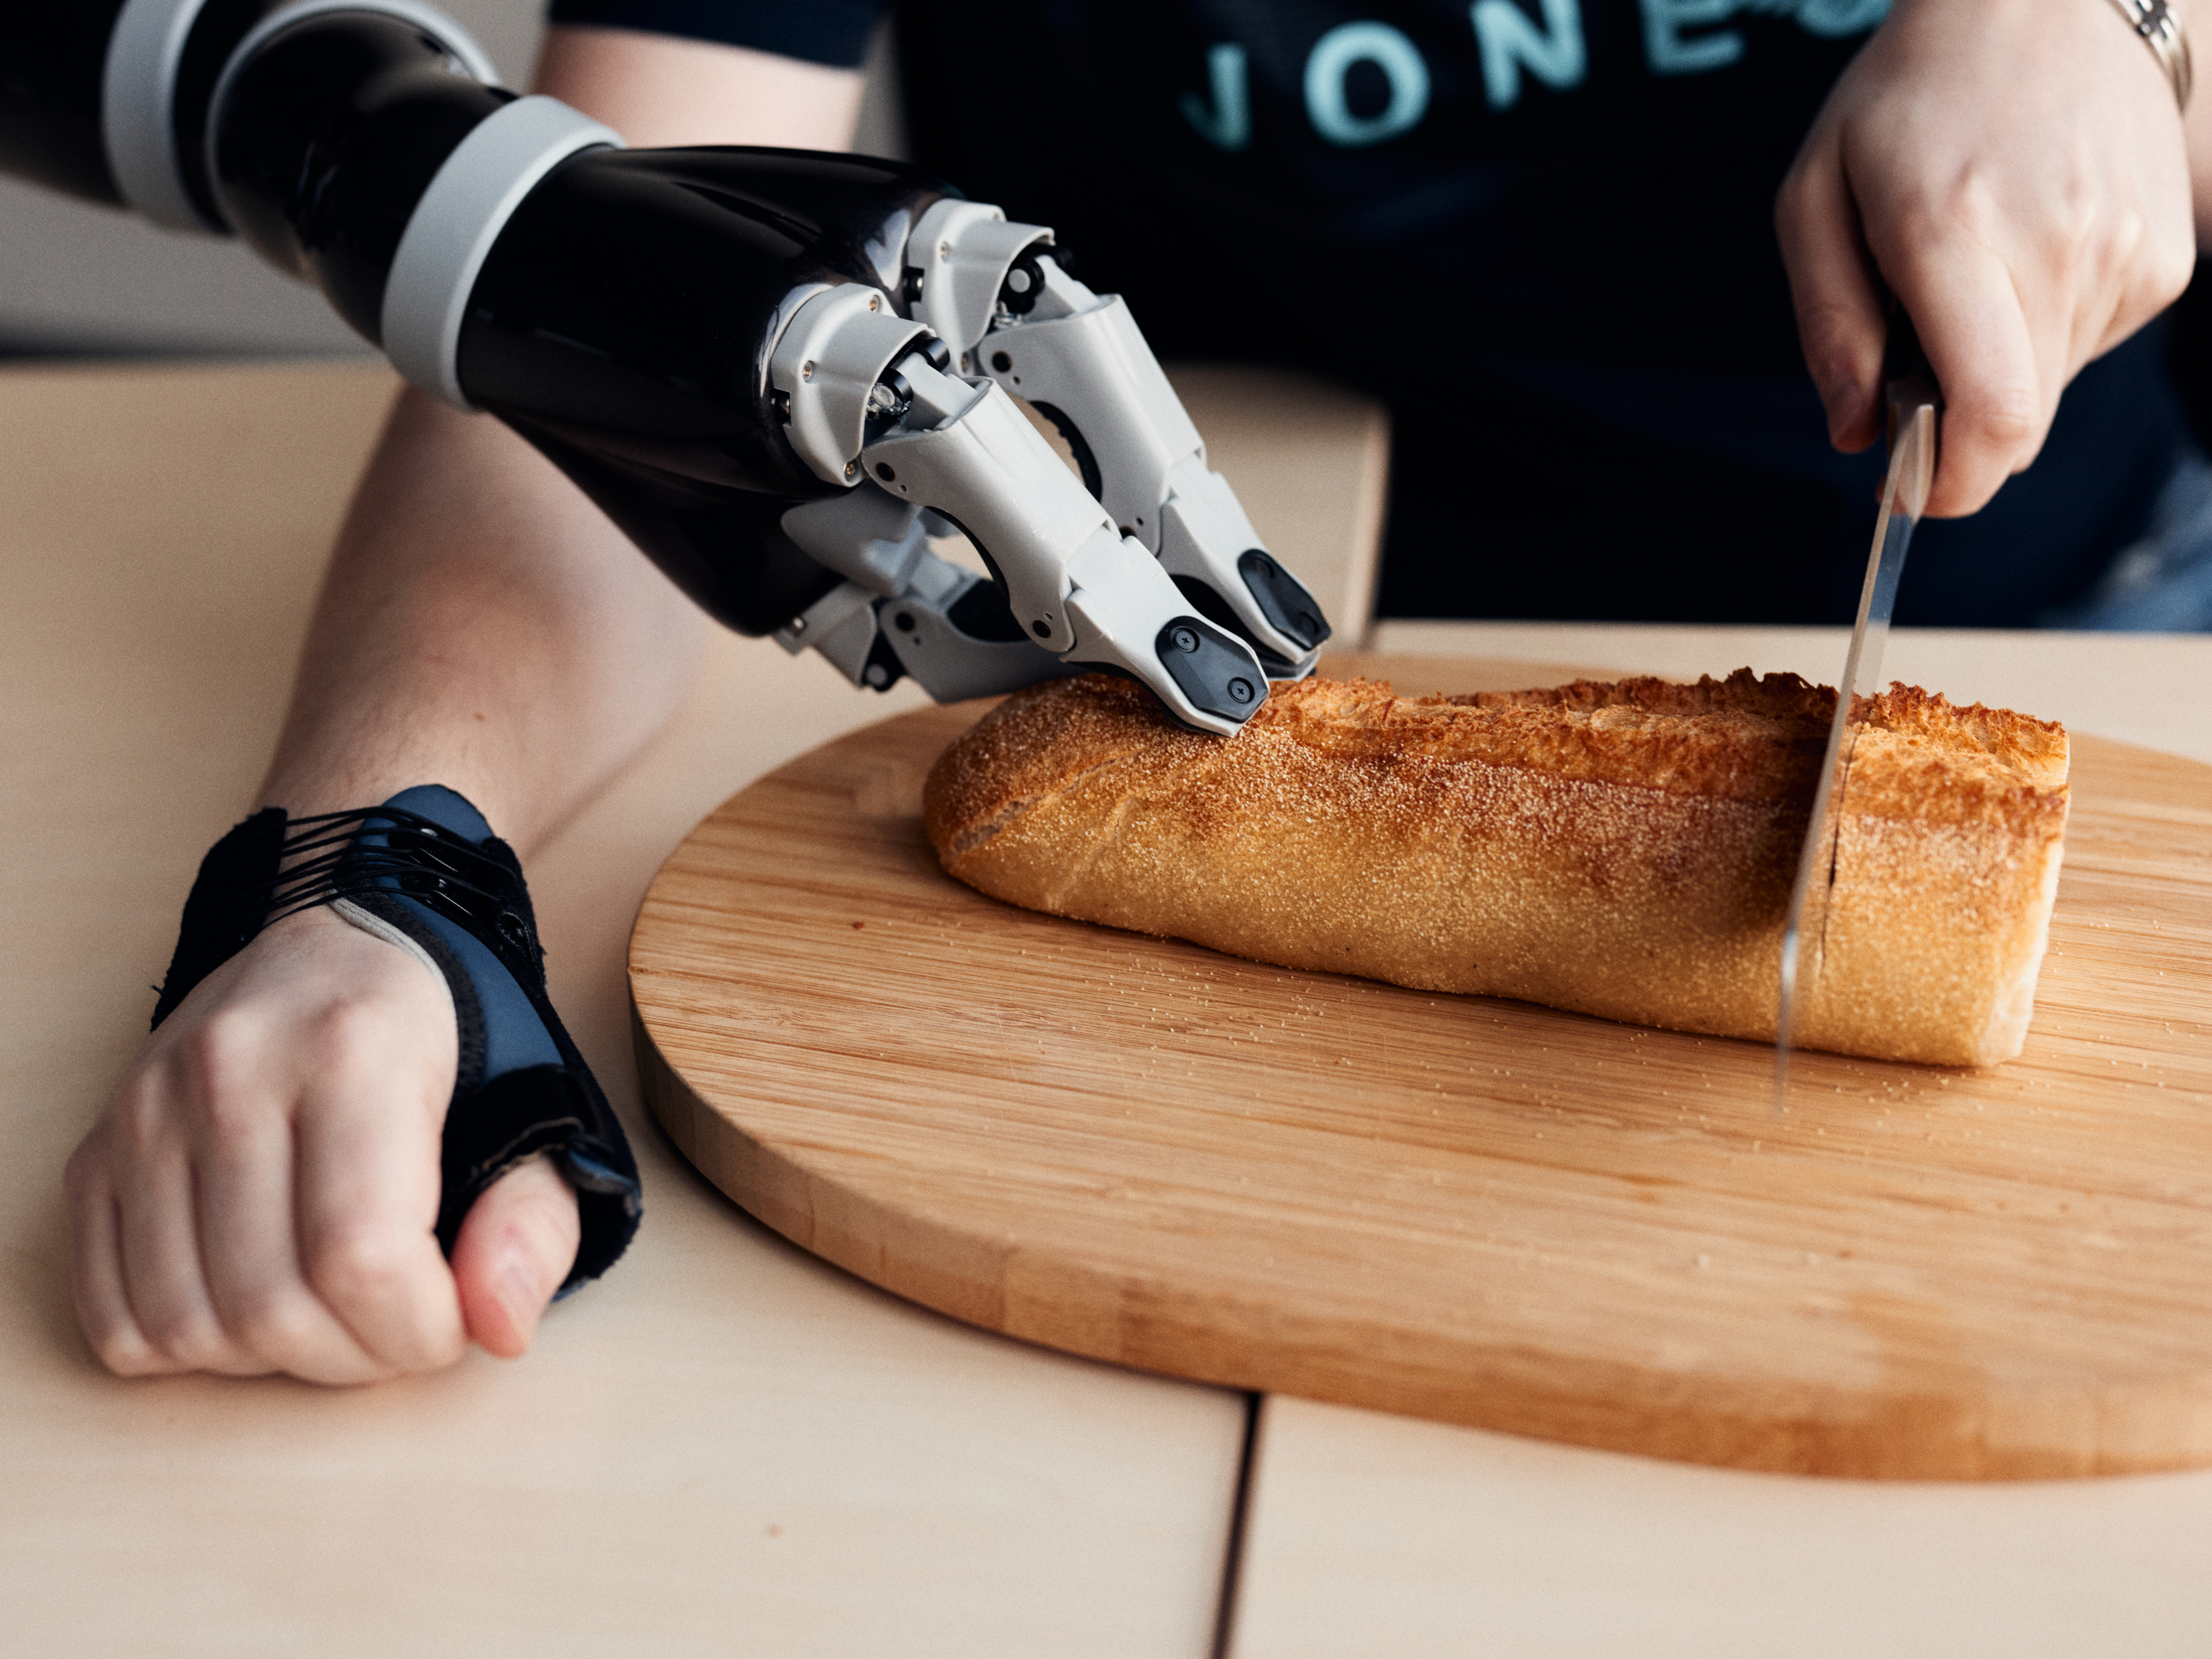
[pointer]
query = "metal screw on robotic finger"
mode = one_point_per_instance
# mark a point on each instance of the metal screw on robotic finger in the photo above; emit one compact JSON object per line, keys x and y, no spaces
{"x":1239,"y":690}
{"x":1184,"y":639}
{"x":852,"y":469}
{"x":877,"y":675}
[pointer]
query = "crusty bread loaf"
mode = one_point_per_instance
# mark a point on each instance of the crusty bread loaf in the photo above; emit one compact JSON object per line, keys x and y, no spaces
{"x":1621,"y":849}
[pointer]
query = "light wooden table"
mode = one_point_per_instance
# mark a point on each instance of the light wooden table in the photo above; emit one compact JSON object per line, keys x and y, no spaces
{"x":727,"y":1446}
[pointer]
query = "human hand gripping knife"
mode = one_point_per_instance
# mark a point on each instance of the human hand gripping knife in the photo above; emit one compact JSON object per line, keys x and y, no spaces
{"x":779,"y":372}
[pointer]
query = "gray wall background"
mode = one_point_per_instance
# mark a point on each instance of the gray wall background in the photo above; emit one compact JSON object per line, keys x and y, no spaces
{"x":78,"y":278}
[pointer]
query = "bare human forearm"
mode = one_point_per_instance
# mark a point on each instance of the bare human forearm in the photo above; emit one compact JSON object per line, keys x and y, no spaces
{"x":259,"y":1192}
{"x":482,"y":625}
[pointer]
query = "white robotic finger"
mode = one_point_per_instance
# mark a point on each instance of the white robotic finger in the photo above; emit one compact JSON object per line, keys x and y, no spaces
{"x":1084,"y":592}
{"x":1080,"y":359}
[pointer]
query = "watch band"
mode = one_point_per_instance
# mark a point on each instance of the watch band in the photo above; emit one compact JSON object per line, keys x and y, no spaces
{"x":2160,"y":26}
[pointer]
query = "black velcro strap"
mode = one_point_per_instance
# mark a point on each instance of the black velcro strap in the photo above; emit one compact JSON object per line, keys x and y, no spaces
{"x":226,"y":905}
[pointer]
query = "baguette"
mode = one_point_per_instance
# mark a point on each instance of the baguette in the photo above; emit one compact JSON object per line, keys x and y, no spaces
{"x":1624,"y":849}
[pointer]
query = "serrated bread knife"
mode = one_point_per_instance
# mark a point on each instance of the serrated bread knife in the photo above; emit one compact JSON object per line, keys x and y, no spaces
{"x":1914,"y":402}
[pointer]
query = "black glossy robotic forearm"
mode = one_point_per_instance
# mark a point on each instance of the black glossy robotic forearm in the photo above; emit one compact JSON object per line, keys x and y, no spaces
{"x":622,"y":317}
{"x":638,"y":370}
{"x":629,"y":313}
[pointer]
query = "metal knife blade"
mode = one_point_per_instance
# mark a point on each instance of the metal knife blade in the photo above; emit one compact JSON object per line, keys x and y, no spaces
{"x":1914,"y":405}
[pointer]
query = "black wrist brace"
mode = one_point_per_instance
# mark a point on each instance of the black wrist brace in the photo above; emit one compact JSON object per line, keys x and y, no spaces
{"x":424,"y":872}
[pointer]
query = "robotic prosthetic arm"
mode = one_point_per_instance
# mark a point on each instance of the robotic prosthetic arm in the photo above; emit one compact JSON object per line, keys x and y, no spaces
{"x":779,"y":372}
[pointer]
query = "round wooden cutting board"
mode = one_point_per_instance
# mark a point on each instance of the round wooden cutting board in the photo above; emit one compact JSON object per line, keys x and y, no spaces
{"x":1480,"y":1211}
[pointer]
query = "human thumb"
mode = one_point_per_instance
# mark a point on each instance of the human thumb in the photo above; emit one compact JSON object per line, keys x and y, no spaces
{"x":515,"y":1247}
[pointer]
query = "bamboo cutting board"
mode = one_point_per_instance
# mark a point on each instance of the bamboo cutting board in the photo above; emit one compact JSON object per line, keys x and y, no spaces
{"x":1475,"y":1210}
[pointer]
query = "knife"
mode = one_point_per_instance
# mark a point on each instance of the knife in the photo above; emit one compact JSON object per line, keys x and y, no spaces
{"x":1914,"y":402}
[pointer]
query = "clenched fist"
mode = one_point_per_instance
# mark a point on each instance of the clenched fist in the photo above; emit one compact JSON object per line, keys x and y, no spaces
{"x":259,"y":1195}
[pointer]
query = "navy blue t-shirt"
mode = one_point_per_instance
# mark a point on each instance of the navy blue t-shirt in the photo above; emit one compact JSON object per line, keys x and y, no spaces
{"x":1542,"y":230}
